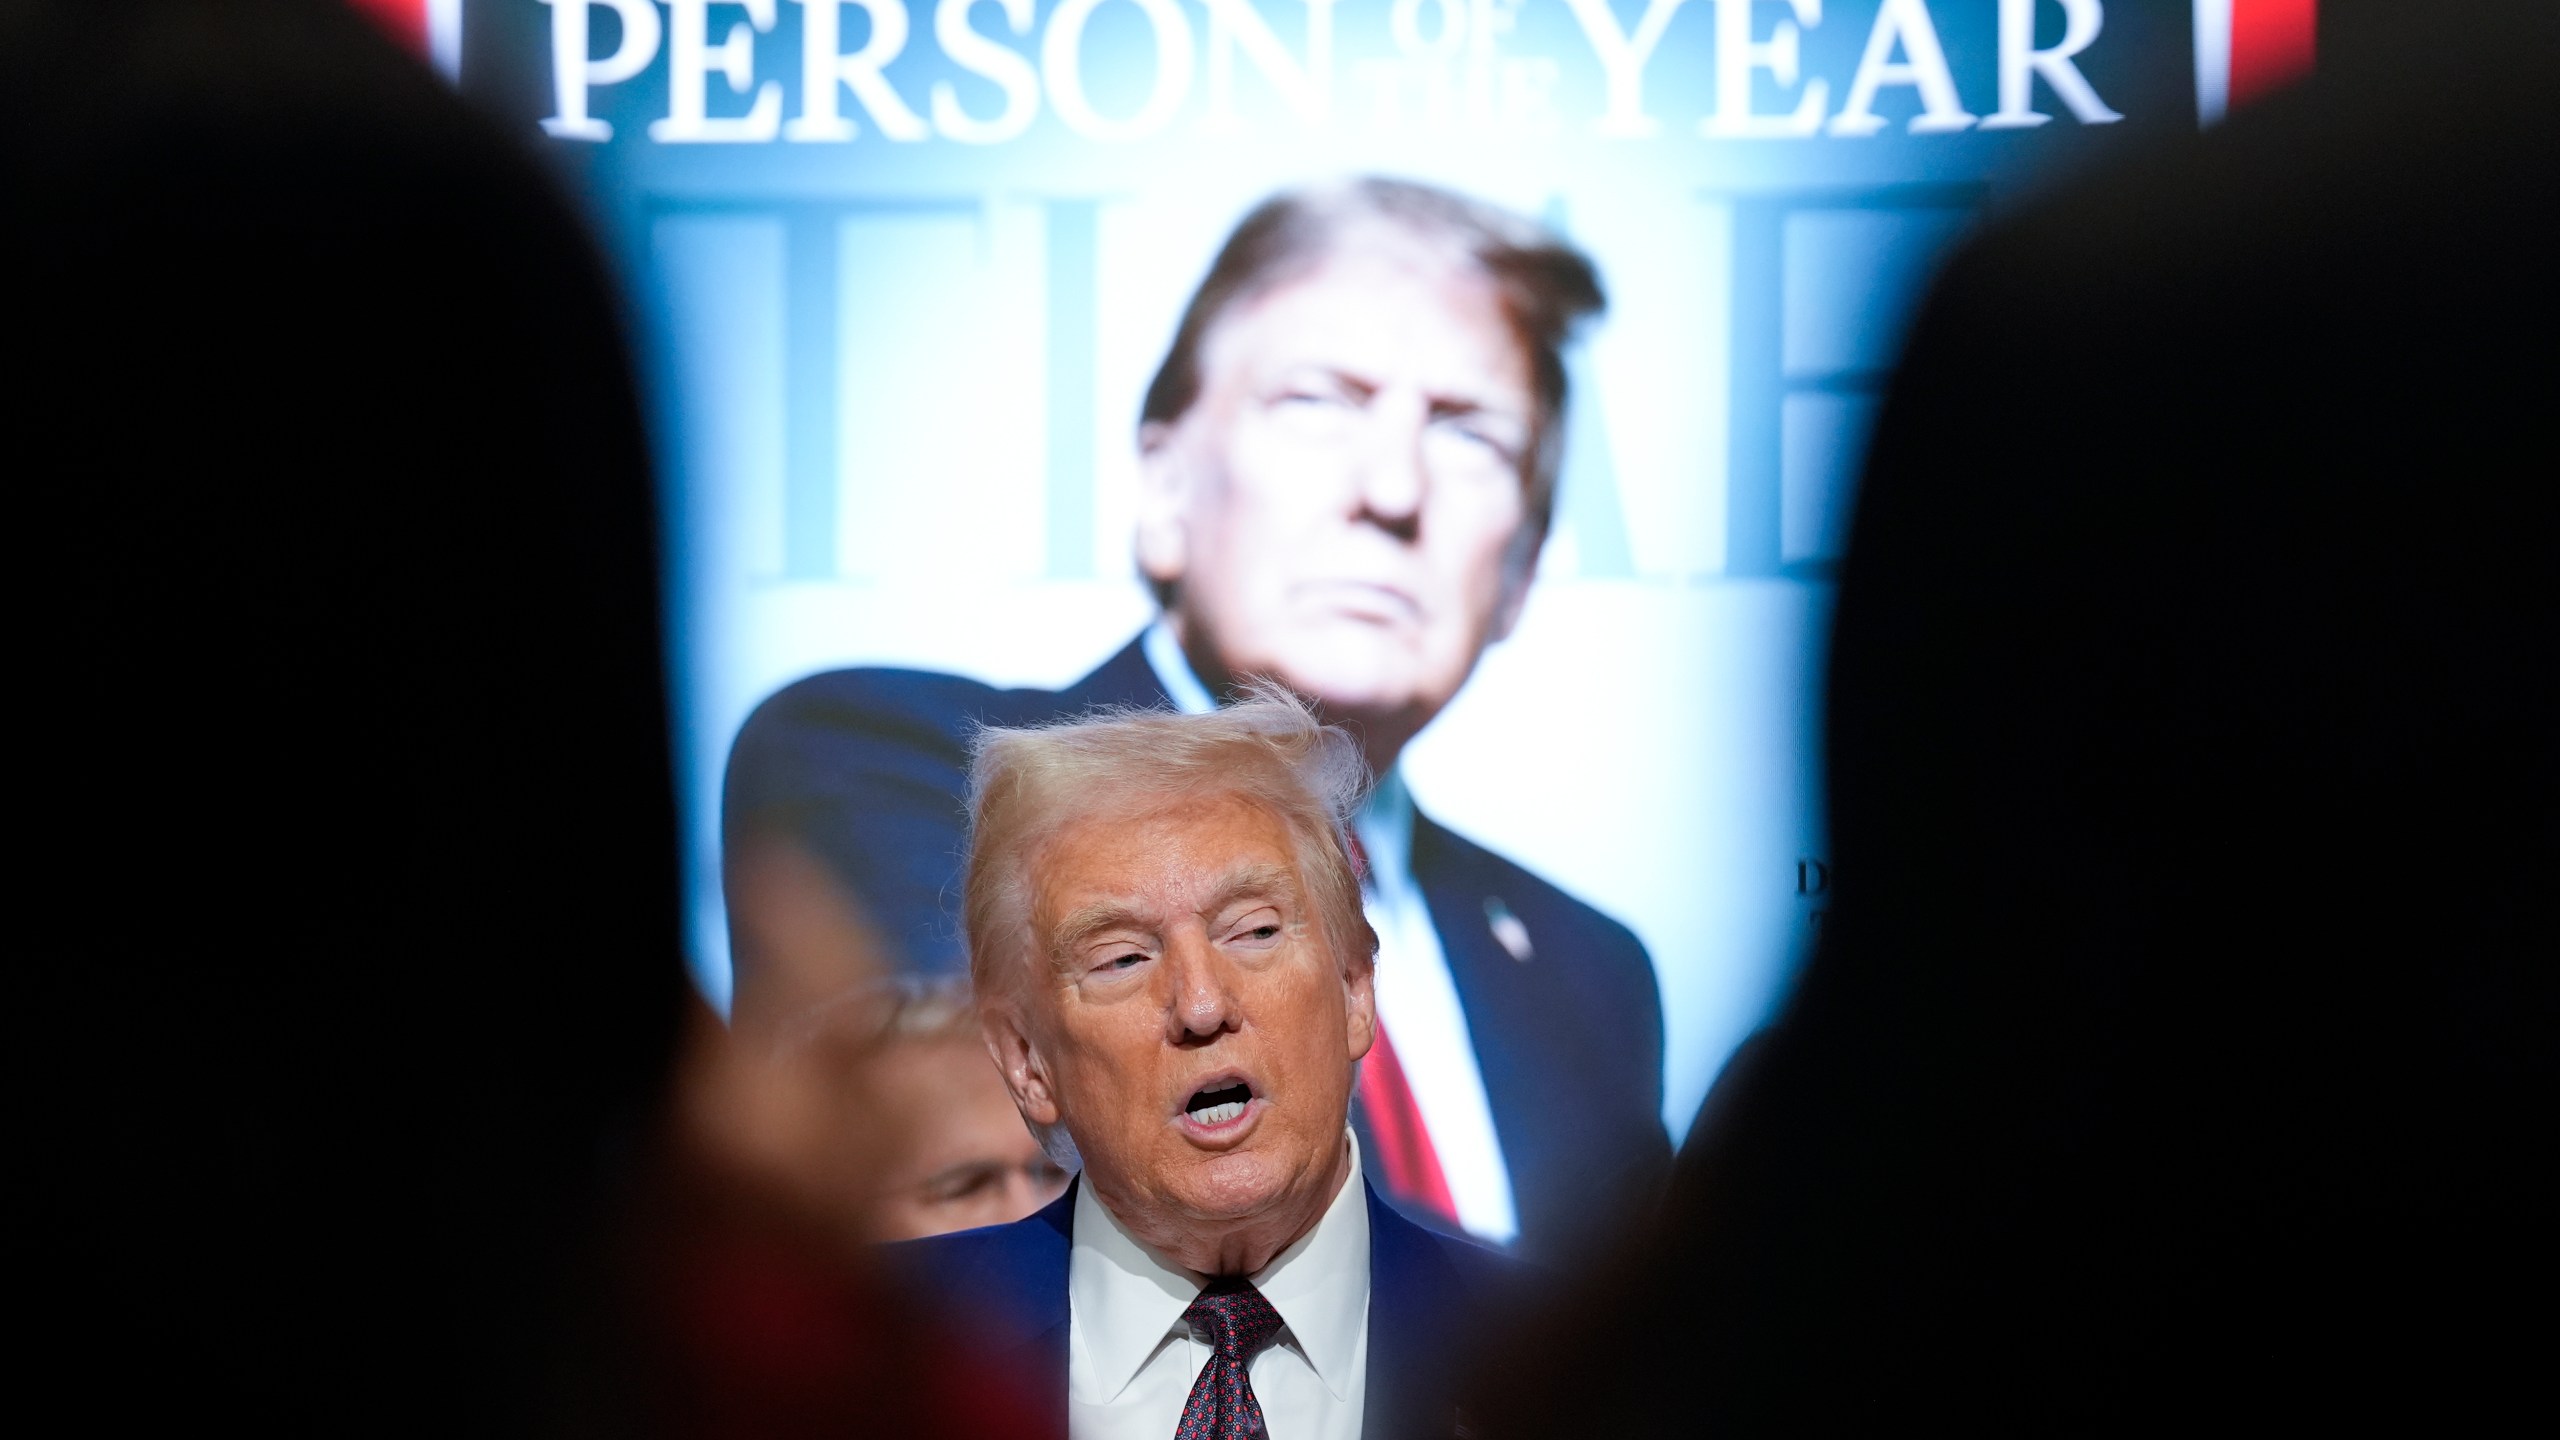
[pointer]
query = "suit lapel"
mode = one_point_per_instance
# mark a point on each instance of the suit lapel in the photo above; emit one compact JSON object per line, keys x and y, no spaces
{"x":1414,"y":1300}
{"x":1029,"y":1285}
{"x":1045,"y":1355}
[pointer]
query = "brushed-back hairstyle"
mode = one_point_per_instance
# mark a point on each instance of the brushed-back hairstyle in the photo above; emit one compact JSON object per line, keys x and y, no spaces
{"x":1548,"y":289}
{"x":1025,"y":785}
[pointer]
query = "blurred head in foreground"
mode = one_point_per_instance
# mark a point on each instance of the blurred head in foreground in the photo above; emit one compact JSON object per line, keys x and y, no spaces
{"x":1167,"y":938}
{"x":956,"y":1154}
{"x":1349,"y":454}
{"x":863,"y":1100}
{"x":408,"y":1163}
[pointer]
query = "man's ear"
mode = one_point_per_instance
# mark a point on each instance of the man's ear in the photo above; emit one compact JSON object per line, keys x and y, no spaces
{"x":1519,"y":568}
{"x":1018,"y":1059}
{"x":1360,"y":981}
{"x":1163,"y":545}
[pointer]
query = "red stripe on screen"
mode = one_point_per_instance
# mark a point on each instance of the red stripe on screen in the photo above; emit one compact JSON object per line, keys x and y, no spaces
{"x":2271,"y":45}
{"x":405,"y":20}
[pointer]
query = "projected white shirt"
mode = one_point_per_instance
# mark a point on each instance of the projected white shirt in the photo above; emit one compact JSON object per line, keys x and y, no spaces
{"x":1417,"y":998}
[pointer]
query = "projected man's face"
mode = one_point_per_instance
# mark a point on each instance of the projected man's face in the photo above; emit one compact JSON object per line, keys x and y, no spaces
{"x":1342,"y":507}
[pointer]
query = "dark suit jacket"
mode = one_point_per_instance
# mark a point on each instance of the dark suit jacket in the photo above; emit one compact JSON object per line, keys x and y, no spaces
{"x":866,"y":770}
{"x":1006,"y":1288}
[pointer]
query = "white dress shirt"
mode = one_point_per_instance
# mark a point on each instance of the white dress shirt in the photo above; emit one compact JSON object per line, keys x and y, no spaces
{"x":1417,"y":997}
{"x":1131,"y":1359}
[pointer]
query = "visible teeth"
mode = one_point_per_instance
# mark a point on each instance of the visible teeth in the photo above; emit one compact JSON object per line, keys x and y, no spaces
{"x":1219,"y":1114}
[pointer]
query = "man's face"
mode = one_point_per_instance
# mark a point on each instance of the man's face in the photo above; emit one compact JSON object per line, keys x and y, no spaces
{"x":1192,"y":1024}
{"x":963,"y":1157}
{"x":1342,"y":506}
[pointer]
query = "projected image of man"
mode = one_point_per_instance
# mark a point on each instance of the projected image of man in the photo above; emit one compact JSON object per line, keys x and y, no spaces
{"x":1349,"y":458}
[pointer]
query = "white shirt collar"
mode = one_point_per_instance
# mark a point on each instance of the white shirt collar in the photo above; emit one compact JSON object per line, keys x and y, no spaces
{"x":1320,"y":1284}
{"x":1126,"y":1302}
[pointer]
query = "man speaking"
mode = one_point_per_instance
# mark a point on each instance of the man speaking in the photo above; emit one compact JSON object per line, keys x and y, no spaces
{"x":1165,"y":931}
{"x":1349,"y":461}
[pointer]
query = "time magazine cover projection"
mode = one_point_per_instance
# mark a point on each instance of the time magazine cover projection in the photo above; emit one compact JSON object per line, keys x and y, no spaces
{"x":1494,"y":372}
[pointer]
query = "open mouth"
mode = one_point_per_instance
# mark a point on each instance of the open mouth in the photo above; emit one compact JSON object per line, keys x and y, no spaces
{"x":1219,"y":1104}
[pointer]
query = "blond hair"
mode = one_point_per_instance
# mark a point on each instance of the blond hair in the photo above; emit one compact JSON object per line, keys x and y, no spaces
{"x":1269,"y":748}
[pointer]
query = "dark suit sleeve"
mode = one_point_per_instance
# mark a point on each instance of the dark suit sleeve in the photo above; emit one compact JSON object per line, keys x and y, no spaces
{"x":867,"y":771}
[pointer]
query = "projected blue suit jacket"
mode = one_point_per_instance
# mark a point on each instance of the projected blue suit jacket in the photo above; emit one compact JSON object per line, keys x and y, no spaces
{"x":866,"y":769}
{"x":1005,"y":1288}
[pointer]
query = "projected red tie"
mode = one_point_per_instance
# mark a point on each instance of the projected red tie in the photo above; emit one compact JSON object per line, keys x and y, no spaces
{"x":1406,"y":1163}
{"x":1405,"y":1159}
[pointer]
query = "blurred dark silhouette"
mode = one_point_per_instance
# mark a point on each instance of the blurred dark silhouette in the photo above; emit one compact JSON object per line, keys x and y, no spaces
{"x":357,"y":994}
{"x":355,"y":830}
{"x":2181,"y":1042}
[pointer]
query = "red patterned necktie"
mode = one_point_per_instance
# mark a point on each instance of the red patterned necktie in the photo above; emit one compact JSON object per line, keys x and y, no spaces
{"x":1238,"y":1322}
